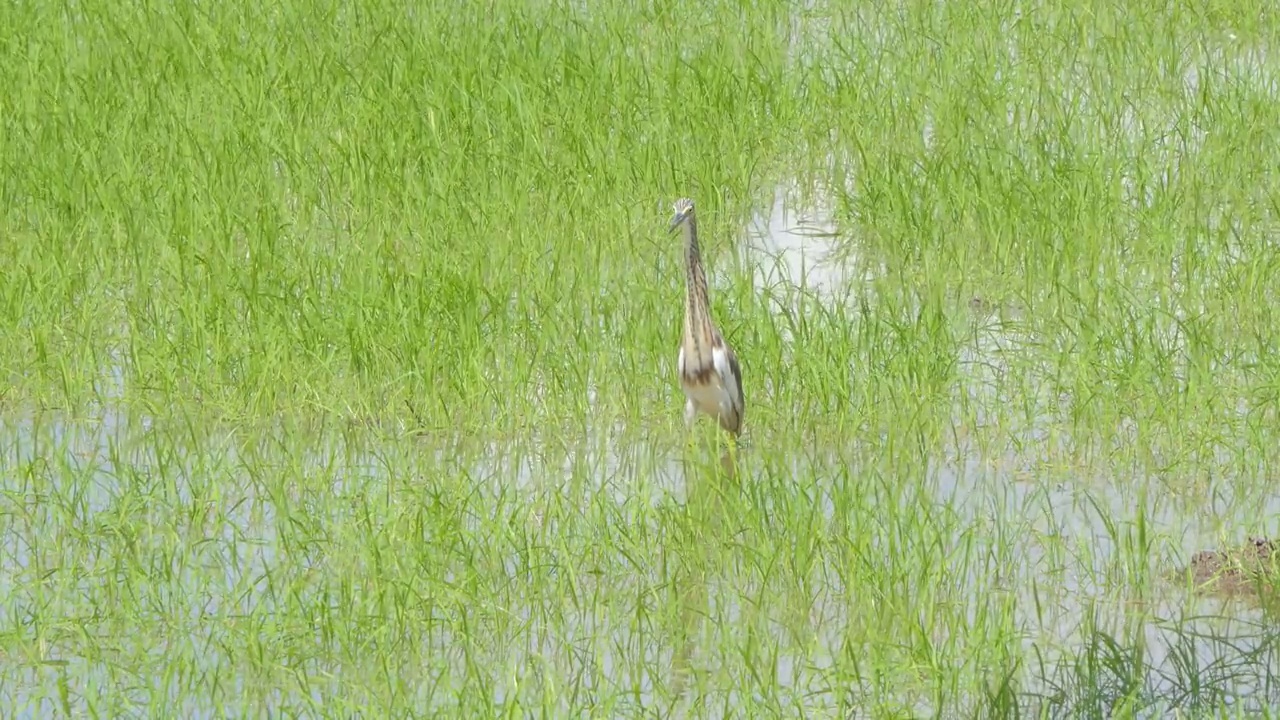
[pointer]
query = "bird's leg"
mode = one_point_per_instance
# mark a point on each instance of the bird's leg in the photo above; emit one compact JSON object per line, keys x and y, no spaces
{"x":729,"y":464}
{"x":690,"y":420}
{"x":729,"y":456}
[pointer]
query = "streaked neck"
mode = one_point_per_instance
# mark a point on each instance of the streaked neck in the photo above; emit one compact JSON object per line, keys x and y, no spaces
{"x":697,"y":317}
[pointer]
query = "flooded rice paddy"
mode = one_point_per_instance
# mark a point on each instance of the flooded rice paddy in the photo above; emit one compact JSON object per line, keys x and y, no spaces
{"x":340,"y":360}
{"x":218,"y":540}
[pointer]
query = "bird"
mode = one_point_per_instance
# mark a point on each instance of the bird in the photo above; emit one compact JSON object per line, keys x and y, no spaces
{"x":709,"y":372}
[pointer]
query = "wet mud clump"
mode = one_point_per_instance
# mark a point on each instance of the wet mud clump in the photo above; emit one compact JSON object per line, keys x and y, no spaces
{"x":1249,"y":569}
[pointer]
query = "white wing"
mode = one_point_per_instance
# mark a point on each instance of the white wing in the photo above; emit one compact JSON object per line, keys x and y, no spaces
{"x":728,"y":378}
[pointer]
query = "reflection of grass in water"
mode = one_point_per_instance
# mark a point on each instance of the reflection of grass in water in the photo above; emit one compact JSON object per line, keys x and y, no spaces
{"x":299,"y":231}
{"x":703,"y":537}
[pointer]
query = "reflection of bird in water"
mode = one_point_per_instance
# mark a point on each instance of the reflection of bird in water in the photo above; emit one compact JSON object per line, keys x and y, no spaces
{"x":709,"y":372}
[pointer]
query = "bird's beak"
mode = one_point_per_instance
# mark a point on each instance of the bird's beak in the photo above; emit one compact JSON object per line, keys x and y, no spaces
{"x":675,"y":221}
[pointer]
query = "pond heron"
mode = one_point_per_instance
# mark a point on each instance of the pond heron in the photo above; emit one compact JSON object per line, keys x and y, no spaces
{"x":709,"y":372}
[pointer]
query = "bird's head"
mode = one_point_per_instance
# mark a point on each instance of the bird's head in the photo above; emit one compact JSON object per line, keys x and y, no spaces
{"x":684,"y":213}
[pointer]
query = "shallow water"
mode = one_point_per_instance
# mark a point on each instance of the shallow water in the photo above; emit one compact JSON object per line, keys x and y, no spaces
{"x":1058,"y":595}
{"x":1089,"y":535}
{"x":783,"y":245}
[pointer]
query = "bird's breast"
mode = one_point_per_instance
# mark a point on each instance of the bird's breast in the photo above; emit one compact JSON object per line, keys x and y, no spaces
{"x":710,"y":397}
